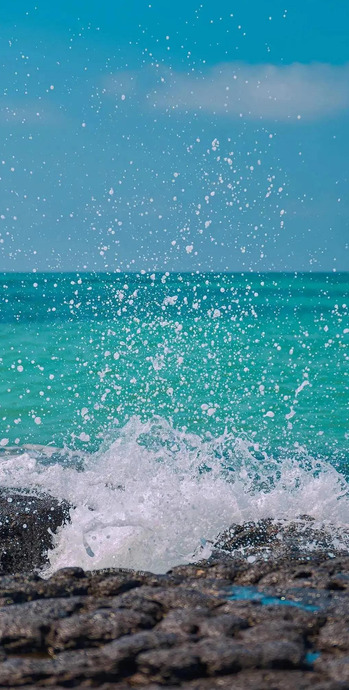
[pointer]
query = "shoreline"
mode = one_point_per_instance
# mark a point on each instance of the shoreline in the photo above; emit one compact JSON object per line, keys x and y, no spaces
{"x":262,"y":612}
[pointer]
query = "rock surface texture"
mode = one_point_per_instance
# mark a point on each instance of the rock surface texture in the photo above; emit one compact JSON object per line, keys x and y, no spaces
{"x":268,"y":620}
{"x":27,"y":524}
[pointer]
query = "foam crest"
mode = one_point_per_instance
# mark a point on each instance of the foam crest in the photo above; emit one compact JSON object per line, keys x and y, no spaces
{"x":153,"y":495}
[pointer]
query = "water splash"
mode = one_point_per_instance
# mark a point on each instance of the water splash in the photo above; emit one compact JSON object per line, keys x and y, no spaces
{"x":153,"y":494}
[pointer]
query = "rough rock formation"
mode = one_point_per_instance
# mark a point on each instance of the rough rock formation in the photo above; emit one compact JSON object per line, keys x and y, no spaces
{"x":27,"y":524}
{"x":264,"y":621}
{"x":195,"y":627}
{"x":274,"y":538}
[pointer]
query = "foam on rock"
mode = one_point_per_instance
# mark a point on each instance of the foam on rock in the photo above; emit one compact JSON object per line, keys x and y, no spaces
{"x":120,"y":628}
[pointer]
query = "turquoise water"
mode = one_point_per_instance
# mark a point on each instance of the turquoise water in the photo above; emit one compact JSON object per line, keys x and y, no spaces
{"x":83,"y":353}
{"x":164,"y":407}
{"x":241,"y":593}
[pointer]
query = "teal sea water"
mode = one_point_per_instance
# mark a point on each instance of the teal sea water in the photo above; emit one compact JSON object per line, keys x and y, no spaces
{"x":203,"y":396}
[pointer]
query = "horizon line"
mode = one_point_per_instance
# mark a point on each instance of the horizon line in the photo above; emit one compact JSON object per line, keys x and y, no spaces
{"x":142,"y":272}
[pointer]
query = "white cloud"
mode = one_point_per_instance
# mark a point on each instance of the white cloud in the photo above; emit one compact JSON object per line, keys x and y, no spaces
{"x":256,"y":92}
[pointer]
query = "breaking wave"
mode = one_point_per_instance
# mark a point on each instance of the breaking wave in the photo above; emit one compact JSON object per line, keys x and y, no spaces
{"x":153,"y":496}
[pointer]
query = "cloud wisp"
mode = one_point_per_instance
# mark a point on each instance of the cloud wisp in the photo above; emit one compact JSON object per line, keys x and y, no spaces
{"x":258,"y":92}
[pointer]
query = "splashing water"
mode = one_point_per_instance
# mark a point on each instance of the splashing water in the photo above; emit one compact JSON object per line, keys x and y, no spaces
{"x":251,"y":371}
{"x":151,"y":496}
{"x":265,"y":354}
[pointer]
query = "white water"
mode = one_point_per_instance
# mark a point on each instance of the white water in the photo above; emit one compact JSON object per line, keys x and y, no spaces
{"x":144,"y":502}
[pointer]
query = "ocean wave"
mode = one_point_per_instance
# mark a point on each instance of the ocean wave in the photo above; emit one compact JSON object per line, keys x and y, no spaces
{"x":153,"y":496}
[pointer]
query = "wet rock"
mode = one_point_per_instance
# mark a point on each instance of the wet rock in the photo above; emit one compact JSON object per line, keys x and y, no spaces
{"x":223,"y":656}
{"x":334,"y":635}
{"x":171,"y":666}
{"x":22,"y":626}
{"x":260,"y":623}
{"x":201,"y":623}
{"x":114,"y":584}
{"x":282,"y":538}
{"x":338,"y":582}
{"x":26,"y":587}
{"x":91,"y":629}
{"x":337,"y":669}
{"x":168,"y":598}
{"x":262,"y":680}
{"x":27,"y":523}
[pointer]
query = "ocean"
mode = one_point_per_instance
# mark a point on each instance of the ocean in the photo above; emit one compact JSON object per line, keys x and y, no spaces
{"x":166,"y":406}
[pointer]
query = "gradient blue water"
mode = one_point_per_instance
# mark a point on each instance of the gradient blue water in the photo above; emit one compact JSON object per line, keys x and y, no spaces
{"x":81,"y":354}
{"x":165,"y":407}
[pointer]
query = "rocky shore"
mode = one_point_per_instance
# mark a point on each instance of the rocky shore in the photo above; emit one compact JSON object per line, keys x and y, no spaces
{"x":264,"y":612}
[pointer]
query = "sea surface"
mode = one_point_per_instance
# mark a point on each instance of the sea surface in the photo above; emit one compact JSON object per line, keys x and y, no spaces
{"x":164,"y":407}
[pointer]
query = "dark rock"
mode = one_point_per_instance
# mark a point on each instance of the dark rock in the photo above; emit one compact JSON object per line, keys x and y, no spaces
{"x":22,"y":625}
{"x":26,"y":526}
{"x":115,"y":584}
{"x":171,"y":597}
{"x":91,"y":629}
{"x":337,"y":669}
{"x":225,"y":656}
{"x":261,"y":680}
{"x":334,"y":635}
{"x":339,"y":581}
{"x":276,"y":620}
{"x":282,"y":538}
{"x":171,"y":665}
{"x":201,"y":623}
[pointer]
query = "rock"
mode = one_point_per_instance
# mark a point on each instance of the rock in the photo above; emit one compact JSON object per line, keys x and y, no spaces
{"x":26,"y":526}
{"x":334,"y":636}
{"x":279,"y":620}
{"x":336,"y":668}
{"x":22,"y":626}
{"x":282,"y":538}
{"x":102,"y":625}
{"x":201,"y":623}
{"x":171,"y":665}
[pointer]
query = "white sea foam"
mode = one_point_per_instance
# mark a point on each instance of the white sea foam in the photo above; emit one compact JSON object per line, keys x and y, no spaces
{"x":153,"y":495}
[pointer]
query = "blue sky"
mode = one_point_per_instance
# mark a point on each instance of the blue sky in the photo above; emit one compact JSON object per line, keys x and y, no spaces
{"x":162,"y":136}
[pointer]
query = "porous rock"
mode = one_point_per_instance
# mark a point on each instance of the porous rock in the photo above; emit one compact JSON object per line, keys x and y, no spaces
{"x":230,"y":622}
{"x":27,"y":525}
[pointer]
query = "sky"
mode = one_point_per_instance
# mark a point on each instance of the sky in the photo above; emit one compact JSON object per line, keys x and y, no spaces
{"x":149,"y":135}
